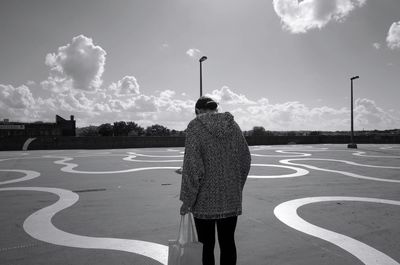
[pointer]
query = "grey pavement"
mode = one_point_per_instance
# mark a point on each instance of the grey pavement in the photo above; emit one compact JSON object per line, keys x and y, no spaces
{"x":121,"y":198}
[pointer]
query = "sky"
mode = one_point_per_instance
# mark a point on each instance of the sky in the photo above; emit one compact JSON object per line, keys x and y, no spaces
{"x":280,"y":64}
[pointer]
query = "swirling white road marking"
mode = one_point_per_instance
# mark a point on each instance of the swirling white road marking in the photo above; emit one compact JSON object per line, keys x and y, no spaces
{"x":287,"y":213}
{"x":349,"y":174}
{"x":131,"y":158}
{"x":39,"y":226}
{"x":361,"y":153}
{"x":29,"y":174}
{"x":288,"y":154}
{"x":299,"y":172}
{"x":299,"y":153}
{"x":173,"y":150}
{"x":337,"y":160}
{"x":137,"y":154}
{"x":69,"y":167}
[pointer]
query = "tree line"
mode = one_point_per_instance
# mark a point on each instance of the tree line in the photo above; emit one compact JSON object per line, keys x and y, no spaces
{"x":122,"y":128}
{"x":130,"y":128}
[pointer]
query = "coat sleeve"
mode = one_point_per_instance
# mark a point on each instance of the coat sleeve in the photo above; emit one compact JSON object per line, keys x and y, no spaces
{"x":193,"y":169}
{"x":245,"y":157}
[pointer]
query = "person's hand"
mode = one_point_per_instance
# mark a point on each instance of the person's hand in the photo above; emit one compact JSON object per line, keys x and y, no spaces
{"x":184,"y":209}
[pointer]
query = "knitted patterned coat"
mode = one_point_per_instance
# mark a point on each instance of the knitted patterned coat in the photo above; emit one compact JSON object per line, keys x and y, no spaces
{"x":215,"y":167}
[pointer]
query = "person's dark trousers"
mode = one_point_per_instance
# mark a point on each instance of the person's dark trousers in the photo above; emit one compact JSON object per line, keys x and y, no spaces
{"x":226,"y":238}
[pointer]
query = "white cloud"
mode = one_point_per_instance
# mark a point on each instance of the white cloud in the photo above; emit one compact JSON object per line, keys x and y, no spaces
{"x":227,"y":96}
{"x":56,"y":85}
{"x":376,"y":45}
{"x":80,"y":61}
{"x":194,"y":53}
{"x":297,"y":116}
{"x":368,"y":115}
{"x":302,"y":16}
{"x":127,"y":85}
{"x":16,"y":97}
{"x":122,"y":100}
{"x":175,"y":112}
{"x":393,"y":36}
{"x":293,"y":116}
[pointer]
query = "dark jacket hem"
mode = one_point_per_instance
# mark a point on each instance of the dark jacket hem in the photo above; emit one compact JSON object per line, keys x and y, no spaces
{"x":216,"y":215}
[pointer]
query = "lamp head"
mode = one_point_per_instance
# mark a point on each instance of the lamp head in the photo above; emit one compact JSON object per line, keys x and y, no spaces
{"x":355,"y":77}
{"x":203,"y":58}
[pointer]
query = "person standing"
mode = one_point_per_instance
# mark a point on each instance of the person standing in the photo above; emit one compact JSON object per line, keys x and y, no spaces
{"x":215,"y":168}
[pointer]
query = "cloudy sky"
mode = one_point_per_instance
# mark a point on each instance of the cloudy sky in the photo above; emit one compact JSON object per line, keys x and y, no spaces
{"x":281,"y":64}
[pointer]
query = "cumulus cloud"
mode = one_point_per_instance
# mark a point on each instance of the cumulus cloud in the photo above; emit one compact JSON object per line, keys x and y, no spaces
{"x":227,"y":96}
{"x":369,"y":115}
{"x":393,"y":36}
{"x":302,"y":16}
{"x":126,"y":86}
{"x":293,"y":116}
{"x":175,"y":112}
{"x":122,"y":100}
{"x":297,"y":116}
{"x":80,"y":61}
{"x":194,"y":53}
{"x":20,"y":104}
{"x":16,"y":97}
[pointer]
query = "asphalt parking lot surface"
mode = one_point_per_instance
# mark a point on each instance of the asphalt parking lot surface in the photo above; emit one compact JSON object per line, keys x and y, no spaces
{"x":302,"y":204}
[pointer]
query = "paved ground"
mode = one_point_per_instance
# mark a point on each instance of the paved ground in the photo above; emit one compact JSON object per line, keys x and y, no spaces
{"x":313,"y":204}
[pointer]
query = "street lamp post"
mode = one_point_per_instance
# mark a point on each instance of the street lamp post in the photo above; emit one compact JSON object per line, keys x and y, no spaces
{"x":352,"y":144}
{"x":202,"y":59}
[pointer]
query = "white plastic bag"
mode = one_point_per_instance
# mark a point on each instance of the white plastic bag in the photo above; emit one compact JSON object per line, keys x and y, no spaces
{"x":186,"y":250}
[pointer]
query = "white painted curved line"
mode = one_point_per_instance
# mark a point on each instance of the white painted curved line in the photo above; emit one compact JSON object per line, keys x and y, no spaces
{"x":287,"y":213}
{"x":173,"y":150}
{"x":361,"y":153}
{"x":69,"y":167}
{"x":39,"y":226}
{"x":289,"y":148}
{"x":299,"y":172}
{"x":57,"y":155}
{"x":29,"y":174}
{"x":288,"y":154}
{"x":27,"y":143}
{"x":137,"y":154}
{"x":341,"y":161}
{"x":349,"y":174}
{"x":131,"y":158}
{"x":150,"y":150}
{"x":89,"y":155}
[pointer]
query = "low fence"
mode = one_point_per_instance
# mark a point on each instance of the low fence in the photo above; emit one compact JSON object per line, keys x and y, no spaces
{"x":70,"y":142}
{"x":323,"y":139}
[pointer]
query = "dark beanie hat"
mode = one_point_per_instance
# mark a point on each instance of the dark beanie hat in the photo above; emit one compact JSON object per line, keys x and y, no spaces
{"x":206,"y":103}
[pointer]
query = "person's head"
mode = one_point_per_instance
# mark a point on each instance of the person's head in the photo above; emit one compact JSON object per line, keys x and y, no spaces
{"x":205,"y":105}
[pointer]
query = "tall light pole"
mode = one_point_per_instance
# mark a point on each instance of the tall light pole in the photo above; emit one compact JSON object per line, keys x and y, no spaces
{"x":202,"y":59}
{"x":352,"y":144}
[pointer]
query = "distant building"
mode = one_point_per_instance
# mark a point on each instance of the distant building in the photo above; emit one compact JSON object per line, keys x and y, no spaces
{"x":61,"y":127}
